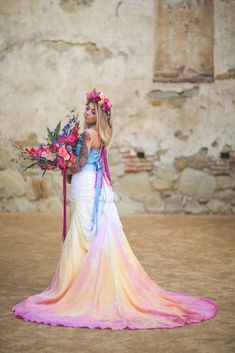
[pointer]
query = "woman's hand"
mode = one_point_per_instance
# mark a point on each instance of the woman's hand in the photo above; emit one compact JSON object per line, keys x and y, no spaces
{"x":69,"y":175}
{"x":68,"y":178}
{"x":68,"y":171}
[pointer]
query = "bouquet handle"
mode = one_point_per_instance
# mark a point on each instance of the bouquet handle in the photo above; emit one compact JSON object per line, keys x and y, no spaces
{"x":64,"y":205}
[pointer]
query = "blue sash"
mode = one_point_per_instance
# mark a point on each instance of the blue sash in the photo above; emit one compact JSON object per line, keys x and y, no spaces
{"x":94,"y":163}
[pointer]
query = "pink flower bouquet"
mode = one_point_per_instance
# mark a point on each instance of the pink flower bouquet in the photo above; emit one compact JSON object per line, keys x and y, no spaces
{"x":57,"y":153}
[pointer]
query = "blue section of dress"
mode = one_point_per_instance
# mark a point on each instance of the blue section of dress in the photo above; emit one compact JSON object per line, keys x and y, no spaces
{"x":94,"y":162}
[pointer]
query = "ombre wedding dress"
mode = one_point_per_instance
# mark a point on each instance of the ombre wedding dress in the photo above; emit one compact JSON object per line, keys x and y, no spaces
{"x":99,"y":282}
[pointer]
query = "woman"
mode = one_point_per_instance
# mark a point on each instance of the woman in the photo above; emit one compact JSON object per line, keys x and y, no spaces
{"x":99,"y":282}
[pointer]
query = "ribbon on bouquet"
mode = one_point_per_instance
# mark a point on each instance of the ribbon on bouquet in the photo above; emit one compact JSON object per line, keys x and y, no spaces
{"x":77,"y":150}
{"x":64,"y":204}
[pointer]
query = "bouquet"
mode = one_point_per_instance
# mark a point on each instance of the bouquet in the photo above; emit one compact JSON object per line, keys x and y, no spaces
{"x":57,"y":153}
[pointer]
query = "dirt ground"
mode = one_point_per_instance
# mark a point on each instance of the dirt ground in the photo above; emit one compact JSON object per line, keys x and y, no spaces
{"x":194,"y":254}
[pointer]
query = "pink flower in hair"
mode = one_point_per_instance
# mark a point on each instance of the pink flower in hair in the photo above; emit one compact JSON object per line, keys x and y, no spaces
{"x":101,"y":99}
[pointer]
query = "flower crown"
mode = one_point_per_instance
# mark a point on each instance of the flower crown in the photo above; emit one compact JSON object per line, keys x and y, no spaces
{"x":101,"y":99}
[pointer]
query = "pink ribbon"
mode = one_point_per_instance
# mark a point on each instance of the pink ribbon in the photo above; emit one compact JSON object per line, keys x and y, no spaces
{"x":64,"y":205}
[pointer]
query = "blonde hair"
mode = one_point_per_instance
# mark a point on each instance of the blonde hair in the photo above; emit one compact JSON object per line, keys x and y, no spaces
{"x":103,"y":123}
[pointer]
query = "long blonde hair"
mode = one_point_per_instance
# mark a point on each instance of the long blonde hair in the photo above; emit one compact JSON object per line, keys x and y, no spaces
{"x":104,"y":125}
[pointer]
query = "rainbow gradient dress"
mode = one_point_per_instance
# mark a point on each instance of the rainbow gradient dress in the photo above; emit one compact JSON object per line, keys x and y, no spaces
{"x":99,"y":282}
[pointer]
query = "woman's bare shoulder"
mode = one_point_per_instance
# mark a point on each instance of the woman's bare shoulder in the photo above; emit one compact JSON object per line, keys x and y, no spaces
{"x":94,"y":135}
{"x":91,"y":130}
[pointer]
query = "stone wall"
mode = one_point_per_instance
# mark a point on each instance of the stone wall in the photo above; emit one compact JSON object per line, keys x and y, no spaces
{"x":171,"y":85}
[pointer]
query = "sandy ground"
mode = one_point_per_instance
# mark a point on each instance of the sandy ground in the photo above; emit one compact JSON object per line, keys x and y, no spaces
{"x":188,"y":253}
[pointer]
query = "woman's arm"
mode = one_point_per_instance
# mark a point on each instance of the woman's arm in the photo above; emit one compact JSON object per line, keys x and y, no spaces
{"x":87,"y":138}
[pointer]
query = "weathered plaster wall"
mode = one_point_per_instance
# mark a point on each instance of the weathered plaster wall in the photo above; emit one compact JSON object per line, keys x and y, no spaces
{"x":168,"y":136}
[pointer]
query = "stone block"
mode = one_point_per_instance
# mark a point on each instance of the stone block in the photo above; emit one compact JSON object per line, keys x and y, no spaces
{"x":223,"y":181}
{"x":163,"y":185}
{"x":154,"y":203}
{"x":11,"y":183}
{"x":197,"y":184}
{"x":218,"y":206}
{"x":38,"y":188}
{"x":136,"y":186}
{"x":127,"y":205}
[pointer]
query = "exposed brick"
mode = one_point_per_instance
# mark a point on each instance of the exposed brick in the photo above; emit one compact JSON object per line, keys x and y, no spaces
{"x":133,"y":163}
{"x":232,"y":157}
{"x":220,"y":167}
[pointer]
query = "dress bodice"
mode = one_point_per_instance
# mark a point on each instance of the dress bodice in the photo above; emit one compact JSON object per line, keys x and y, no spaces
{"x":97,"y":161}
{"x":93,"y":156}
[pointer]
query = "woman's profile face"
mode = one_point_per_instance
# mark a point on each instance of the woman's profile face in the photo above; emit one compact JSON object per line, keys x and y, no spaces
{"x":89,"y":113}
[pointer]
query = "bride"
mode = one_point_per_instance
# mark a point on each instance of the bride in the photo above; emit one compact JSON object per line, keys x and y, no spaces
{"x":99,"y":282}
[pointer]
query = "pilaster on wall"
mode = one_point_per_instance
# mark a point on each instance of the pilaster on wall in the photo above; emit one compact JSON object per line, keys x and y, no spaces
{"x":184,"y":26}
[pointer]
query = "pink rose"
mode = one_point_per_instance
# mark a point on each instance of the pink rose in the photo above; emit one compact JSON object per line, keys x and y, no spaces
{"x":62,"y":163}
{"x":73,"y":158}
{"x":62,"y":152}
{"x":53,"y":148}
{"x":48,"y":166}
